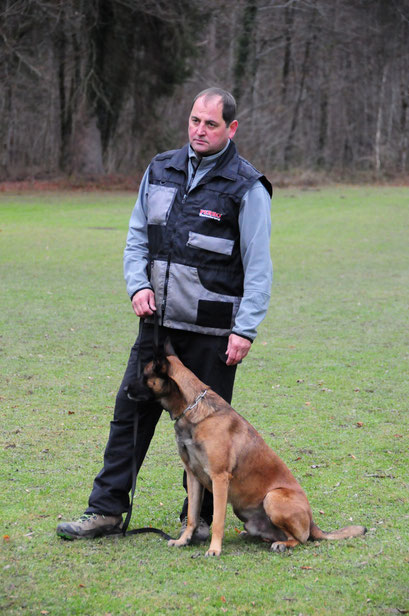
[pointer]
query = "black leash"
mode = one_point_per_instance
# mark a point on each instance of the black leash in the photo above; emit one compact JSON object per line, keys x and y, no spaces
{"x":139,"y":531}
{"x":146,"y":529}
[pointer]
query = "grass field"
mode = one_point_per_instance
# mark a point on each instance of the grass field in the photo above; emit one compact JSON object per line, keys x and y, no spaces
{"x":326,"y":384}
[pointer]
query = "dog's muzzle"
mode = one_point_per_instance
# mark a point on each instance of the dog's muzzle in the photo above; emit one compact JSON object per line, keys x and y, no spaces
{"x":139,"y":394}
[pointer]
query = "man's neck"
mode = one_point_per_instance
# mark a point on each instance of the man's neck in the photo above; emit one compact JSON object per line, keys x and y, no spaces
{"x":210,"y":157}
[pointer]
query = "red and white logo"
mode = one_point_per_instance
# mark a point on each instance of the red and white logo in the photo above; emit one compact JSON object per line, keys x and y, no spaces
{"x":210,"y":214}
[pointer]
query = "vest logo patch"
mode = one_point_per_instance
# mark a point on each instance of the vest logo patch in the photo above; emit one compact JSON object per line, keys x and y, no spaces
{"x":209,"y":214}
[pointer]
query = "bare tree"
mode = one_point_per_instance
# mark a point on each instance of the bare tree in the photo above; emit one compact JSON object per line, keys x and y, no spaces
{"x":76,"y":71}
{"x":97,"y":86}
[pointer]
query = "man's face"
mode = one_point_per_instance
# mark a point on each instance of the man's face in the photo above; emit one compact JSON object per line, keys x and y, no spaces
{"x":208,"y":132}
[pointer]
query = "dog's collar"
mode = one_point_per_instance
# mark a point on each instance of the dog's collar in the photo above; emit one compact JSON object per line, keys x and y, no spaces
{"x":191,"y":406}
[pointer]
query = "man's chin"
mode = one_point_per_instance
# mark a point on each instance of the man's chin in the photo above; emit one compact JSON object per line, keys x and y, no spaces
{"x":204,"y":150}
{"x":200,"y":147}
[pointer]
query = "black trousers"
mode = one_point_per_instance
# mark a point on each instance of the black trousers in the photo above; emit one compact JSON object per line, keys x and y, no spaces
{"x":205,"y":356}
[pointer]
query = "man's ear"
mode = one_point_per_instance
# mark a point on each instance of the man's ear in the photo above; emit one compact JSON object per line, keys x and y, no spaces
{"x":168,"y":347}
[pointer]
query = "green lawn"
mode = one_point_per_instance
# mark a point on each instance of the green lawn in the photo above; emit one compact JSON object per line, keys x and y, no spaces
{"x":326,"y":384}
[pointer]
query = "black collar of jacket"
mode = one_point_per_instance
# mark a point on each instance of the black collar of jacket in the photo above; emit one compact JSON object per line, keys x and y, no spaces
{"x":179,"y":161}
{"x":227,"y":165}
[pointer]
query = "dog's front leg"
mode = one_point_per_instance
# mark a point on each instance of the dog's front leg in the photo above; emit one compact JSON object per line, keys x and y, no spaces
{"x":195,"y":497}
{"x":220,"y":486}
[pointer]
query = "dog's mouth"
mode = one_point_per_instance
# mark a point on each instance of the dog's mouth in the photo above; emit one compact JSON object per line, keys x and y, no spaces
{"x":139,"y":394}
{"x":129,"y":394}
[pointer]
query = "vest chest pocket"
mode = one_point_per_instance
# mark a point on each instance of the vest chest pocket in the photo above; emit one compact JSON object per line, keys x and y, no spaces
{"x":160,"y":201}
{"x":220,"y":245}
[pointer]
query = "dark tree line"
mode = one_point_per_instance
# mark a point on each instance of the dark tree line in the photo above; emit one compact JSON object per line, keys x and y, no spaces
{"x":96,"y":86}
{"x":80,"y":79}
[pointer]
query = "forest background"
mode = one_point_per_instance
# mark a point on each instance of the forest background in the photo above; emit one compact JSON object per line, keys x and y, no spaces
{"x":96,"y":87}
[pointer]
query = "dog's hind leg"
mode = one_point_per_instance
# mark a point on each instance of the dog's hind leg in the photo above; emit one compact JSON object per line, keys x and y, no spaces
{"x":195,"y":497}
{"x":290,"y":512}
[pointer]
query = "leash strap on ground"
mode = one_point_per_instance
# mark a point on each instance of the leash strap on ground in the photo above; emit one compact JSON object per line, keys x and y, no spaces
{"x":147,"y":529}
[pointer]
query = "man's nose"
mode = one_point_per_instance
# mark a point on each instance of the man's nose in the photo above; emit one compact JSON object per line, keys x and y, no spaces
{"x":202,"y":128}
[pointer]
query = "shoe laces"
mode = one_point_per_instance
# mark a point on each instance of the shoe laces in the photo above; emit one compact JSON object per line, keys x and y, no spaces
{"x":87,"y":516}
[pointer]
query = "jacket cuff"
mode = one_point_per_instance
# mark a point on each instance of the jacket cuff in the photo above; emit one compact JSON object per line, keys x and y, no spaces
{"x":137,"y":291}
{"x":243,"y":336}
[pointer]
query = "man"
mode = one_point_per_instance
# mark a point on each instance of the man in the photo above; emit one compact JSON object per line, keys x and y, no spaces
{"x":197,"y":256}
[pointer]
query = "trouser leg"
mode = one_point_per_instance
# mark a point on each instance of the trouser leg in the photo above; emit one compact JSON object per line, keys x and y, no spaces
{"x":110,"y":492}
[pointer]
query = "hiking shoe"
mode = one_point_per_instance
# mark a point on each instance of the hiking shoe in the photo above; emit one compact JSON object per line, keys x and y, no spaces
{"x":201,"y":533}
{"x":90,"y":526}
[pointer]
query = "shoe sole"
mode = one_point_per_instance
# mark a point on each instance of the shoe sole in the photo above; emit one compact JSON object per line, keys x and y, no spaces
{"x":114,"y":530}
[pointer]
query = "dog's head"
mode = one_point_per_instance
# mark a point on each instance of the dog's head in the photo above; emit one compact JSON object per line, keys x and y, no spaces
{"x":154,"y":382}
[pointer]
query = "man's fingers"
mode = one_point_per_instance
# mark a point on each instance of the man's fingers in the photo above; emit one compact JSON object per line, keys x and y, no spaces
{"x":152,"y":304}
{"x":143,"y":303}
{"x":237,"y":349}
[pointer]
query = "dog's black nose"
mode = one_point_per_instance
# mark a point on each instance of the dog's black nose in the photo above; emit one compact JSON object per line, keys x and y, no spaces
{"x":138,"y":393}
{"x":130,"y":395}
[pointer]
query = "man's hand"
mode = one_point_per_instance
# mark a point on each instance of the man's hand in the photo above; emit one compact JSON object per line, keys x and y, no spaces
{"x":237,"y":349}
{"x":143,"y":303}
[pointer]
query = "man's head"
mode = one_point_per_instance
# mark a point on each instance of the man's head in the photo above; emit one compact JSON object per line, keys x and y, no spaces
{"x":212,"y":121}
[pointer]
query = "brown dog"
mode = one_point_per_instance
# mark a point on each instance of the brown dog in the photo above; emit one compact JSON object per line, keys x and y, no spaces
{"x":222,"y":452}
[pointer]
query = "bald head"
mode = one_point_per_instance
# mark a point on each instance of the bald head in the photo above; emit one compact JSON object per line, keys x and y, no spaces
{"x":228,"y":102}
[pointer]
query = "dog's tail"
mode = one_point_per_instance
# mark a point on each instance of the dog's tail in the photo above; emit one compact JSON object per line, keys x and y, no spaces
{"x":343,"y":533}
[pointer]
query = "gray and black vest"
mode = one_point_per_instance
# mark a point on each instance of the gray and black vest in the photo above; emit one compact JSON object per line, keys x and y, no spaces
{"x":194,"y":241}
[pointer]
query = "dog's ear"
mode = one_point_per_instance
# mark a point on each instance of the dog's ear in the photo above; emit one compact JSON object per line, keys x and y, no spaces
{"x":168,"y":347}
{"x":160,"y":365}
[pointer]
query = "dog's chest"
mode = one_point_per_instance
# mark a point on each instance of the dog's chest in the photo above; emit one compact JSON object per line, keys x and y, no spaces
{"x":193,"y":455}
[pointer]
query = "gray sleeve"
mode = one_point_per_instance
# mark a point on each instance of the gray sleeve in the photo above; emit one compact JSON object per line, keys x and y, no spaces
{"x":136,"y":252}
{"x":255,"y":228}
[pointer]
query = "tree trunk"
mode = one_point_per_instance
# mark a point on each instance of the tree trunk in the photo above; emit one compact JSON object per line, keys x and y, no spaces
{"x":289,"y":21}
{"x":289,"y":146}
{"x":87,"y":152}
{"x":379,"y":120}
{"x":244,"y":47}
{"x":6,"y":132}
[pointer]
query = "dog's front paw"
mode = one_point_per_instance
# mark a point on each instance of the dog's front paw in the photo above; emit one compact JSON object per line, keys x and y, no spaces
{"x":213,"y":552}
{"x":278,"y":547}
{"x":179,"y":543}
